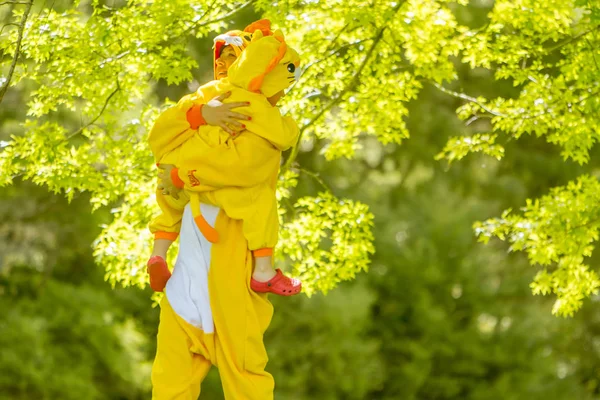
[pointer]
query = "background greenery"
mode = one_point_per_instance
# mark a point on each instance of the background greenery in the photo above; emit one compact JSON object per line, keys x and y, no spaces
{"x":393,"y":97}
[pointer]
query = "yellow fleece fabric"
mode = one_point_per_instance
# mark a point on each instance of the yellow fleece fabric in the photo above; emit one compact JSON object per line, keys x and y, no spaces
{"x":233,"y":173}
{"x":241,"y":316}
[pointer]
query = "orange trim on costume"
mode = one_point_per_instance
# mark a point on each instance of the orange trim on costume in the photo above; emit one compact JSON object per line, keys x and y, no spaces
{"x":264,"y":252}
{"x":194,"y":116}
{"x":208,"y":231}
{"x":256,"y":82}
{"x":172,"y":236}
{"x":264,"y":25}
{"x":176,"y":179}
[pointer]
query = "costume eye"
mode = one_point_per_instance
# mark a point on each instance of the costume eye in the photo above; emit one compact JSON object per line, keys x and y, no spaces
{"x":291,"y":68}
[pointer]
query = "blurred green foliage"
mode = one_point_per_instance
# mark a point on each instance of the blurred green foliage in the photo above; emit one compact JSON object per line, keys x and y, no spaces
{"x":505,"y":91}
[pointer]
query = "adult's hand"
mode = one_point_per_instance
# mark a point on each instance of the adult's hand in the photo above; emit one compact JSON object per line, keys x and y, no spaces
{"x":167,"y":186}
{"x":217,"y":113}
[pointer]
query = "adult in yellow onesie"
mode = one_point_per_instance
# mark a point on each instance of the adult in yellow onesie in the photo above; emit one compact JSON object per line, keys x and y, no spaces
{"x":209,"y":315}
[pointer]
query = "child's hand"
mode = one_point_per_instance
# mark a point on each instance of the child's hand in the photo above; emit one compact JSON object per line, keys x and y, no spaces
{"x":216,"y":113}
{"x":167,"y":186}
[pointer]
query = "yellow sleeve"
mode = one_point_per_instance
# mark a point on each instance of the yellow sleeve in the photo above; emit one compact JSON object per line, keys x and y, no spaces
{"x":209,"y":91}
{"x":168,"y":223}
{"x":171,"y":128}
{"x":268,"y":123}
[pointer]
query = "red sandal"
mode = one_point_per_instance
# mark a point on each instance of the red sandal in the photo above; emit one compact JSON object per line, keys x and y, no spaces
{"x":159,"y":273}
{"x":279,"y":284}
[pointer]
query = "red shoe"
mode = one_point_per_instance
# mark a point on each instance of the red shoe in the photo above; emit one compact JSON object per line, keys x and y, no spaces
{"x":159,"y":273}
{"x":279,"y":284}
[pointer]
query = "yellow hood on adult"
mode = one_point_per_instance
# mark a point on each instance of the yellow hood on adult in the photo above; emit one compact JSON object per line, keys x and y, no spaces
{"x":238,"y":40}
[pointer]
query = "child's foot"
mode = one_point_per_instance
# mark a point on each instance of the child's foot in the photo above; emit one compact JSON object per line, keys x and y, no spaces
{"x":264,"y":276}
{"x":277,"y":284}
{"x":159,"y":273}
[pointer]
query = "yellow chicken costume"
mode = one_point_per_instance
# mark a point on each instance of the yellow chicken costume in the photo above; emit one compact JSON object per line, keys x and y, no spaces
{"x":209,"y":315}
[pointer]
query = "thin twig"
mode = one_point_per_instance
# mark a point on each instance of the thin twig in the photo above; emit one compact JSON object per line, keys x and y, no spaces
{"x":193,"y":25}
{"x":77,"y":132}
{"x":468,"y":98}
{"x":593,"y":55}
{"x":572,"y":39}
{"x":334,"y":52}
{"x":472,"y":119}
{"x":548,"y":111}
{"x":315,"y":177}
{"x":199,"y":24}
{"x":13,"y":64}
{"x":208,"y":9}
{"x":8,"y":24}
{"x":336,"y":100}
{"x":338,"y":36}
{"x":228,"y":15}
{"x":13,"y":2}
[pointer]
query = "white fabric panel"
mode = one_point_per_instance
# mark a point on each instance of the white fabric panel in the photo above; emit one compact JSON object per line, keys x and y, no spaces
{"x":187,"y":289}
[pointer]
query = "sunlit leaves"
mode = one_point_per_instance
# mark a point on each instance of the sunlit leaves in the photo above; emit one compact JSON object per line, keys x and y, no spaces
{"x":549,"y":50}
{"x":124,"y":245}
{"x":361,"y":69}
{"x":328,"y":240}
{"x":459,"y":147}
{"x":558,"y":232}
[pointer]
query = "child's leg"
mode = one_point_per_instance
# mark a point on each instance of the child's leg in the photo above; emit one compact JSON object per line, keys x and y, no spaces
{"x":257,"y":208}
{"x":263,"y":268}
{"x":161,"y":247}
{"x":157,"y":265}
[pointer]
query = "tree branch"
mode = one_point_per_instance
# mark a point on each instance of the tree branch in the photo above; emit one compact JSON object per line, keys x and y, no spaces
{"x":593,"y":55}
{"x":315,"y":177}
{"x":8,"y":24}
{"x":77,"y":132}
{"x":334,"y":52}
{"x":468,"y":98}
{"x":572,"y":39}
{"x":334,"y":101}
{"x":199,"y":23}
{"x":13,"y":64}
{"x":13,"y":2}
{"x":351,"y":86}
{"x":338,"y":36}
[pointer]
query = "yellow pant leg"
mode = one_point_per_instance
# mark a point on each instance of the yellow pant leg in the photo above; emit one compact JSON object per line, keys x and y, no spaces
{"x":178,"y":369}
{"x":241,"y":317}
{"x":256,"y":207}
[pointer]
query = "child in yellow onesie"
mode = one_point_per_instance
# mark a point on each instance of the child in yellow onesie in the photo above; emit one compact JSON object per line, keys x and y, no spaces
{"x":234,"y":173}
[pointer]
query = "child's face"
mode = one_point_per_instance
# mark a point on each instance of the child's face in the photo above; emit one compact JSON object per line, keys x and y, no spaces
{"x":224,"y":61}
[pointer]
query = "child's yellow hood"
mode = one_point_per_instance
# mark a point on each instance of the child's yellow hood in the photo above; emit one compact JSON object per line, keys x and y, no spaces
{"x":267,"y":66}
